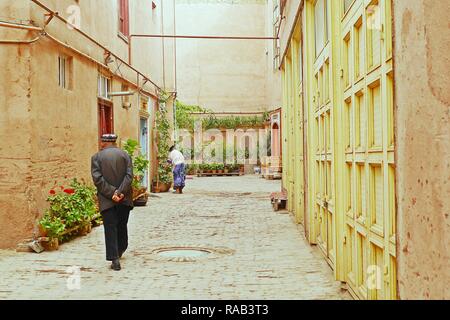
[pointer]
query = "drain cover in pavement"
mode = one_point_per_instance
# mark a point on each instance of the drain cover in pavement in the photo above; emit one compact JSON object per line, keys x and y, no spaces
{"x":189,"y":253}
{"x":183,"y":253}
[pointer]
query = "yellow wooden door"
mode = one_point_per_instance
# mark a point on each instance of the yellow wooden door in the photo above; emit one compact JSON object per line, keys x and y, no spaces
{"x":323,"y":133}
{"x":284,"y":125}
{"x":290,"y":160}
{"x":299,"y":185}
{"x":368,"y":135}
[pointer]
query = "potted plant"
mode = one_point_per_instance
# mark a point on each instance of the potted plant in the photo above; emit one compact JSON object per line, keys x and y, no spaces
{"x":140,"y":166}
{"x":165,"y":178}
{"x":192,"y":169}
{"x":205,"y":168}
{"x":220,"y":168}
{"x":241,"y":169}
{"x":71,"y":212}
{"x":52,"y":228}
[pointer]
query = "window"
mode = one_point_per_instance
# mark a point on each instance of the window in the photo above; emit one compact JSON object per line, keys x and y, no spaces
{"x":104,"y":87}
{"x":62,"y":72}
{"x":65,"y":72}
{"x":124,"y":18}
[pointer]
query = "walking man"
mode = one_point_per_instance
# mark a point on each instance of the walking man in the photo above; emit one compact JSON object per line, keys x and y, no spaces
{"x":112,"y":172}
{"x":179,"y":167}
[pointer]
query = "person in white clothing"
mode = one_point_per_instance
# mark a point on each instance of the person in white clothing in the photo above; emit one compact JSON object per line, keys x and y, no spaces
{"x":176,"y":158}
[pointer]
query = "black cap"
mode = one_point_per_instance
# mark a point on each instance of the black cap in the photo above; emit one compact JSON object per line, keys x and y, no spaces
{"x":111,"y":137}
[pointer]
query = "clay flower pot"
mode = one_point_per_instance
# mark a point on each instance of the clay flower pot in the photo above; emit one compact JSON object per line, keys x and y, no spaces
{"x":163,"y":187}
{"x":51,"y":245}
{"x":42,"y":232}
{"x":141,"y":201}
{"x":85,"y":230}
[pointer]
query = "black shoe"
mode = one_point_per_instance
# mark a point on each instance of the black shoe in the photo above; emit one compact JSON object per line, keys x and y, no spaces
{"x":116,"y":265}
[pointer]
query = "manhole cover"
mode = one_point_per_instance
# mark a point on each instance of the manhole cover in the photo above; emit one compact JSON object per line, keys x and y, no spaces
{"x":183,"y":253}
{"x":189,"y":254}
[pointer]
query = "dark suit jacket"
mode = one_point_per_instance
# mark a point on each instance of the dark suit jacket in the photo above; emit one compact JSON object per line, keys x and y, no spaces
{"x":112,"y":170}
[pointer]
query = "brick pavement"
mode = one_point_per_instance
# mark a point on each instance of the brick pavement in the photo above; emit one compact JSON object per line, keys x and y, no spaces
{"x":267,"y":256}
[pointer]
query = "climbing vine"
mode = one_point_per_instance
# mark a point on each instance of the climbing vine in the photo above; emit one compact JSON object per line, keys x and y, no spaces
{"x":163,"y":144}
{"x":184,"y":116}
{"x":186,"y":119}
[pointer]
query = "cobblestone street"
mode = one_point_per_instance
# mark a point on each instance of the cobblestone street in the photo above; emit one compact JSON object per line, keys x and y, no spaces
{"x":260,"y":254}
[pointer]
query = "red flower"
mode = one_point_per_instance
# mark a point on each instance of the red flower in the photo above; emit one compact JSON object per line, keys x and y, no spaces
{"x":62,"y":188}
{"x":69,"y":191}
{"x":52,"y":192}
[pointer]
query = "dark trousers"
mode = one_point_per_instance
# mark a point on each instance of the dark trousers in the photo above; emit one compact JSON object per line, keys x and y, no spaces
{"x":115,"y":221}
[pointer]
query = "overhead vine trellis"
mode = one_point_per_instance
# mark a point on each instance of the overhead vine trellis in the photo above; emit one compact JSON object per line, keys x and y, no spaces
{"x":186,"y":116}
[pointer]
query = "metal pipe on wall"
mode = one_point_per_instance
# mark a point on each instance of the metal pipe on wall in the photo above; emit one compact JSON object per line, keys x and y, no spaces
{"x":55,"y":14}
{"x":20,"y":41}
{"x":201,"y":37}
{"x":19,"y":26}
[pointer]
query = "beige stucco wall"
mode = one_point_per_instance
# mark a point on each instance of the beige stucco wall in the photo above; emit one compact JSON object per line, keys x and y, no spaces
{"x":422,"y":43}
{"x":224,"y":75}
{"x":49,"y":133}
{"x":15,"y":152}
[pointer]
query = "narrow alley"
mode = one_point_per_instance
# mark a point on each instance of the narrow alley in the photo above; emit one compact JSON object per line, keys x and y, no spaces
{"x":258,"y":253}
{"x":336,"y":112}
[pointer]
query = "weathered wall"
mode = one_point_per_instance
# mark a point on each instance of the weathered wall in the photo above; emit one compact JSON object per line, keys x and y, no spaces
{"x":15,"y":151}
{"x":422,"y":43}
{"x":223,"y":75}
{"x":48,"y":133}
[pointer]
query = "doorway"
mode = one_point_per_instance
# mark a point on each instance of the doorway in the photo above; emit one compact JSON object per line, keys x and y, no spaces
{"x":143,"y":142}
{"x":105,"y":118}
